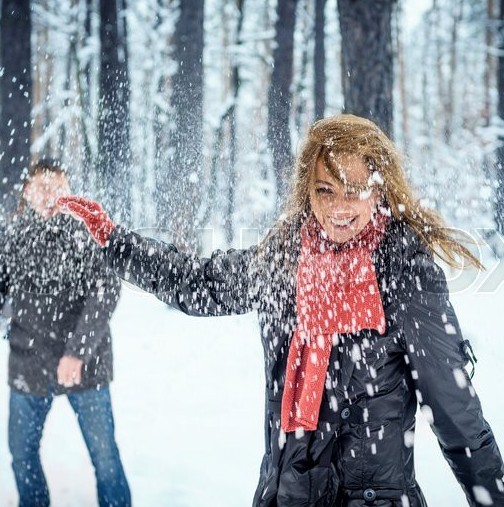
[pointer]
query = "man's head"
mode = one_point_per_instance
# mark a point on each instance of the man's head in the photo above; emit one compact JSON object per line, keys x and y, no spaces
{"x":45,"y":183}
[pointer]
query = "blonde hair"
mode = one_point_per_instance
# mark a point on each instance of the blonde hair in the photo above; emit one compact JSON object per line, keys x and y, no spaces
{"x":349,"y":135}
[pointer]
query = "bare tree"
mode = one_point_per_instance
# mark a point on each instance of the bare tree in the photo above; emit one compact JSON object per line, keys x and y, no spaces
{"x":227,"y":125}
{"x":16,"y":94}
{"x":235,"y":88}
{"x":454,"y":64}
{"x":41,"y":75}
{"x":319,"y":59}
{"x":113,"y":120}
{"x":367,"y":59}
{"x":178,"y":182}
{"x":401,"y":78}
{"x":303,"y":78}
{"x":489,"y":64}
{"x":499,"y":197}
{"x":279,"y":95}
{"x":84,"y":88}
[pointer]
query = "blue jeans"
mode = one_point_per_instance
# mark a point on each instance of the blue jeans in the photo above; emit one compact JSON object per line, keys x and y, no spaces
{"x":27,"y":415}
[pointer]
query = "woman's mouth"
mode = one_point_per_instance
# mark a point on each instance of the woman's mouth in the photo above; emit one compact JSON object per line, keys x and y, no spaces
{"x":342,"y":223}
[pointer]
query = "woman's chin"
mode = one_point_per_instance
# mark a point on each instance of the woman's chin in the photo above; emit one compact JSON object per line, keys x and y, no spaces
{"x":340,"y":234}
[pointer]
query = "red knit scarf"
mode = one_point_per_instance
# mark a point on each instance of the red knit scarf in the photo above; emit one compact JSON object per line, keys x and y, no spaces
{"x":336,"y":292}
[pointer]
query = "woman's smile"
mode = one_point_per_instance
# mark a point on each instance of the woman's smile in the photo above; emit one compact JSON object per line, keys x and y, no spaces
{"x":341,"y":211}
{"x":342,"y":223}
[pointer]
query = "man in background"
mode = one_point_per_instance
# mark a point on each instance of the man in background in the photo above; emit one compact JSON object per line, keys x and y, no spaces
{"x":62,"y":297}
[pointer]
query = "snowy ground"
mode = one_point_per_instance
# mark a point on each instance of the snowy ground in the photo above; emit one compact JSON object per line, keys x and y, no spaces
{"x":188,"y":403}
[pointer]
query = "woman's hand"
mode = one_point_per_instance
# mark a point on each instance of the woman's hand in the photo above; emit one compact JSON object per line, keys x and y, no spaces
{"x":92,"y":214}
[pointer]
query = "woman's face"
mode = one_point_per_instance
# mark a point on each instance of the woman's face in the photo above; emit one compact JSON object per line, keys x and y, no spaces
{"x":343,"y":209}
{"x":43,"y":190}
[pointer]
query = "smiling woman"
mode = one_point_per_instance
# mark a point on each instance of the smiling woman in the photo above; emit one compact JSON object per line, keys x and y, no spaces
{"x":343,"y":205}
{"x":356,"y":325}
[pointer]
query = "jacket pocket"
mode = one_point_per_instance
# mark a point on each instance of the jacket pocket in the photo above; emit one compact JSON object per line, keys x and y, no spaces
{"x":266,"y":492}
{"x":308,"y":477}
{"x":313,"y":487}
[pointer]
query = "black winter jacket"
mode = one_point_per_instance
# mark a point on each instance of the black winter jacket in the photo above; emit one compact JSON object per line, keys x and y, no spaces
{"x":363,"y":446}
{"x":62,"y":296}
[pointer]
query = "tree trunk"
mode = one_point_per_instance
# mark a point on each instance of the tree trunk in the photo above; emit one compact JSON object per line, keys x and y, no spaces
{"x":499,"y":193}
{"x":319,"y":60}
{"x":84,"y":87}
{"x":454,"y":61}
{"x":41,"y":76}
{"x":235,"y":83}
{"x":16,"y":94}
{"x":70,"y":61}
{"x":304,"y":28}
{"x":487,"y":76}
{"x":178,"y":182}
{"x":279,"y":96}
{"x":113,"y":119}
{"x":401,"y":74}
{"x":426,"y":97}
{"x":227,"y":120}
{"x":367,"y":59}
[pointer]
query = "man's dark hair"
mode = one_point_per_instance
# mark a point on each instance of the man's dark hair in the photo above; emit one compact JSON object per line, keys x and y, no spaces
{"x":46,"y":165}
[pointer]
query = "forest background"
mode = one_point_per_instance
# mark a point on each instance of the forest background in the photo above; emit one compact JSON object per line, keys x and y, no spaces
{"x":185,"y":116}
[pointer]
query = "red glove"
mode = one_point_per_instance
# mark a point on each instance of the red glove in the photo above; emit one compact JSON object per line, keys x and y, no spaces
{"x":92,"y":214}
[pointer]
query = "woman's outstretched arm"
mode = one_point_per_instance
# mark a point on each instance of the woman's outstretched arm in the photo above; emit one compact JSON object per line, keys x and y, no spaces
{"x":223,"y":284}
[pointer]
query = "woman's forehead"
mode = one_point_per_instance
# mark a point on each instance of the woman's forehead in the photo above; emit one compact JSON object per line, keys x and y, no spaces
{"x":342,"y":168}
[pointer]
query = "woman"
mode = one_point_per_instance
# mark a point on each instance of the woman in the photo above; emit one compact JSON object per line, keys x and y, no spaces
{"x":355,"y":321}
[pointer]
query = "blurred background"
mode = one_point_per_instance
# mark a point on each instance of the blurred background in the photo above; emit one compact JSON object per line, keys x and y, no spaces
{"x":186,"y":114}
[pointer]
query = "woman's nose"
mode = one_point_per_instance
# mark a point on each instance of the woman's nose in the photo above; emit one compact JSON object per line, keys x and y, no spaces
{"x":340,"y":201}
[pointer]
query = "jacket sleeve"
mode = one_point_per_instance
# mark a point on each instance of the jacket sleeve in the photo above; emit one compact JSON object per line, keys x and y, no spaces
{"x":100,"y":296}
{"x":434,"y":350}
{"x":221,"y":285}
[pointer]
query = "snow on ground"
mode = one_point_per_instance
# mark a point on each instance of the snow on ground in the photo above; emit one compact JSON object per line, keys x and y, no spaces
{"x":188,"y":401}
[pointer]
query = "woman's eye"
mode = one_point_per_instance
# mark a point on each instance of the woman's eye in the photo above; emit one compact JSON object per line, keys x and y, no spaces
{"x":361,"y":195}
{"x":323,"y":190}
{"x":353,"y":195}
